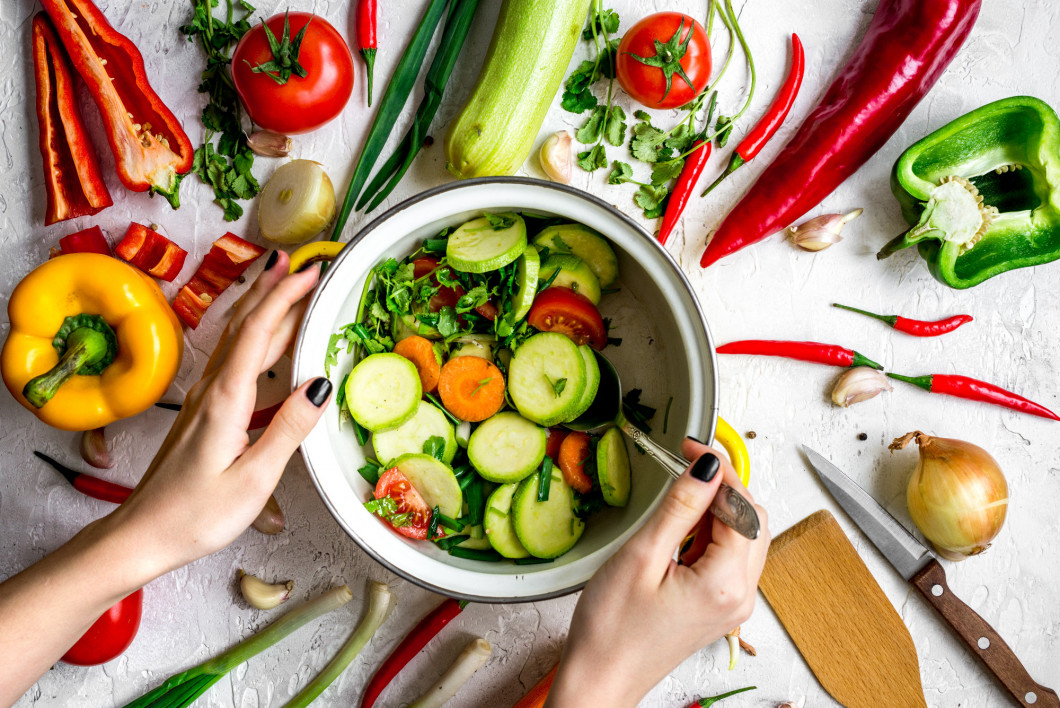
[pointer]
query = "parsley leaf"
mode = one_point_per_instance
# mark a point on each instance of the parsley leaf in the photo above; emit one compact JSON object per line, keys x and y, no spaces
{"x":663,"y":172}
{"x":615,"y":126}
{"x":652,"y":200}
{"x":557,"y":386}
{"x":601,"y":22}
{"x":620,"y":174}
{"x":435,"y":447}
{"x":447,"y":324}
{"x":593,"y":159}
{"x":590,"y":130}
{"x":723,"y":128}
{"x":499,"y":222}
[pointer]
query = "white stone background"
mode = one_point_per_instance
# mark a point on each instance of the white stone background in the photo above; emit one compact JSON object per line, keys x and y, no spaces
{"x":768,"y":291}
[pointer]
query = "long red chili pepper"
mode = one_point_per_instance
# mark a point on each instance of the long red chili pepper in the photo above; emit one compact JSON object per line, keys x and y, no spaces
{"x":366,"y":38}
{"x":813,"y":352}
{"x":769,"y":123}
{"x":975,"y":390}
{"x":695,"y":162}
{"x":917,"y":328}
{"x":72,"y":178}
{"x":908,"y":45}
{"x":409,"y":647}
{"x":87,"y":484}
{"x":150,"y":147}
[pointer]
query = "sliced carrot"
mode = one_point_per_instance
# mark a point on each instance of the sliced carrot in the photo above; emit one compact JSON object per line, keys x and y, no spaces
{"x":420,"y":352}
{"x":537,"y":695}
{"x":471,"y":388}
{"x":573,"y":452}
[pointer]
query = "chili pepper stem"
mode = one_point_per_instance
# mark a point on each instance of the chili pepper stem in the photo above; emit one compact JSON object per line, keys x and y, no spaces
{"x":889,"y":319}
{"x":84,"y":347}
{"x":369,"y":64}
{"x":735,"y":162}
{"x":923,"y":382}
{"x":862,"y":360}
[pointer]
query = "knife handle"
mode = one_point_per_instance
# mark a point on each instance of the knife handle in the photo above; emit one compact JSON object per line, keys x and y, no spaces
{"x":981,"y":638}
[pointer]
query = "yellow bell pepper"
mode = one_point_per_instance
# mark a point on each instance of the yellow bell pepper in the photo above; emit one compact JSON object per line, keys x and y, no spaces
{"x":92,"y":340}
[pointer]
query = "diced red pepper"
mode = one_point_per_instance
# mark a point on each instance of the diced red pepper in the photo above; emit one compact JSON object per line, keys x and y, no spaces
{"x":151,"y":252}
{"x":229,"y":257}
{"x":90,"y":240}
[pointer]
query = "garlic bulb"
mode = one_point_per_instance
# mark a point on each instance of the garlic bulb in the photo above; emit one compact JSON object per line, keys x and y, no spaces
{"x":821,"y":232}
{"x":555,"y":157}
{"x":859,"y":384}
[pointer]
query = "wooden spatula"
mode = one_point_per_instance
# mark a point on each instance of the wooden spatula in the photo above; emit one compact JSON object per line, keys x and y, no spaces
{"x":839,"y":618}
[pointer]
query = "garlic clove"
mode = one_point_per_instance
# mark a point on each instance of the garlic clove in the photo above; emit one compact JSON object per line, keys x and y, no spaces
{"x":269,"y":144}
{"x":555,"y":157}
{"x":262,"y":595}
{"x":794,"y":704}
{"x":859,"y":384}
{"x":821,"y":232}
{"x":94,"y":449}
{"x":271,"y":519}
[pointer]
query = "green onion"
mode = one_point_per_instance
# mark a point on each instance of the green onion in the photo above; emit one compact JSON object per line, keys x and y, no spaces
{"x":532,"y":561}
{"x":476,"y":501}
{"x":447,"y":521}
{"x":474,"y":554}
{"x":182,"y":689}
{"x":449,"y":541}
{"x":544,"y":479}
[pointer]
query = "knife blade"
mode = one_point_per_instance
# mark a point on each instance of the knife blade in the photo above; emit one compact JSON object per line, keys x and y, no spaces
{"x":919,"y":566}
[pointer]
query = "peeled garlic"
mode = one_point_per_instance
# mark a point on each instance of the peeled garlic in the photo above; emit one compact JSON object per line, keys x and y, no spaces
{"x":262,"y":595}
{"x":555,"y":157}
{"x":269,"y":144}
{"x":859,"y":384}
{"x":821,"y":232}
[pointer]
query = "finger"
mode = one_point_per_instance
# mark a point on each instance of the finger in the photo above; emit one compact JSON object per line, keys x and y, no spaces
{"x":681,"y":508}
{"x":720,"y":533}
{"x":266,"y":459}
{"x":283,"y":338}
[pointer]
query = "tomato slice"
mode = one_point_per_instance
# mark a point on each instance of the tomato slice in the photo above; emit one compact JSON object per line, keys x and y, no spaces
{"x":397,"y":486}
{"x":573,"y":452}
{"x":554,"y":440}
{"x":567,"y":312}
{"x":110,"y":635}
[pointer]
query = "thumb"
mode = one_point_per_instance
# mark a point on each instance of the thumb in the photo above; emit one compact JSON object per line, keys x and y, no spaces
{"x":290,"y":426}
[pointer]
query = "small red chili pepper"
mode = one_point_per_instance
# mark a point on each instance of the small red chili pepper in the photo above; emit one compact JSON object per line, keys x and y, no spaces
{"x":770,"y":123}
{"x":917,"y":328}
{"x":72,"y":178}
{"x":90,"y":240}
{"x":87,"y":484}
{"x":409,"y":647}
{"x":813,"y":352}
{"x":975,"y":390}
{"x":695,"y":162}
{"x":366,"y":39}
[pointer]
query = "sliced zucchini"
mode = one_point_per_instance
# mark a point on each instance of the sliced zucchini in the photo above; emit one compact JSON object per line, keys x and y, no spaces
{"x":406,"y":325}
{"x":586,"y":244}
{"x":434,"y":480}
{"x":592,"y":381}
{"x":498,"y":523}
{"x":612,"y":467}
{"x":476,"y":539}
{"x":480,"y":345}
{"x":573,"y":274}
{"x":526,"y":277}
{"x":546,"y":378}
{"x":506,"y":447}
{"x":479,"y":247}
{"x":383,"y":391}
{"x":427,"y":422}
{"x":547,"y":529}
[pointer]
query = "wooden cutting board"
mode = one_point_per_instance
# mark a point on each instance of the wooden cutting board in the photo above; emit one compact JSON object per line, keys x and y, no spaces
{"x":839,"y":618}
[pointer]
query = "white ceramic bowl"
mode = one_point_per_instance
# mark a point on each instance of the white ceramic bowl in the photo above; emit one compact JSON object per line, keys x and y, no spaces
{"x":666,"y":351}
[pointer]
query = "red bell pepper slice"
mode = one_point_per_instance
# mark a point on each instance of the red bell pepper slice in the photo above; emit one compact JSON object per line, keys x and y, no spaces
{"x":90,"y":240}
{"x":72,"y":178}
{"x":150,"y":147}
{"x":226,"y":261}
{"x":151,"y":252}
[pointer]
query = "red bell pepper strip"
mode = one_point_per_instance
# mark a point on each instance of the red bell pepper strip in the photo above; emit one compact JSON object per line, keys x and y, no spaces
{"x":917,"y":328}
{"x":686,"y":182}
{"x":813,"y":352}
{"x":366,"y":38}
{"x":72,"y":178}
{"x":151,"y":252}
{"x":770,"y":123}
{"x":226,"y":261}
{"x":150,"y":147}
{"x":90,"y":240}
{"x":975,"y":390}
{"x":409,"y":647}
{"x":908,"y":45}
{"x":87,"y":484}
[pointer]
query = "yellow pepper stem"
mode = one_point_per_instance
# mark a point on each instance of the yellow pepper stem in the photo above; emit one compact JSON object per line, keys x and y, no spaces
{"x":86,"y":345}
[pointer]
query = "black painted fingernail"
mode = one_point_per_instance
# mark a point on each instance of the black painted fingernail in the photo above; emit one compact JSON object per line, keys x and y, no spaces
{"x":697,"y":440}
{"x":273,"y":257}
{"x":706,"y":467}
{"x":318,"y":391}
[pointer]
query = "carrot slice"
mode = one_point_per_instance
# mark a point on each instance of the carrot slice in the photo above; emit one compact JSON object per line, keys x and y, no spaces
{"x":420,"y":352}
{"x":537,"y":695}
{"x":471,"y":388}
{"x":573,"y":452}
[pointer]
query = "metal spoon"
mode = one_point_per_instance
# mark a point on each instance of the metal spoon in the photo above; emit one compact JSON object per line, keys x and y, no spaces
{"x":729,"y":506}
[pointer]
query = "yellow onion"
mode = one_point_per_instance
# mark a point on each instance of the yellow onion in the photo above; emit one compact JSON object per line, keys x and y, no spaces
{"x":957,"y":495}
{"x":297,"y":203}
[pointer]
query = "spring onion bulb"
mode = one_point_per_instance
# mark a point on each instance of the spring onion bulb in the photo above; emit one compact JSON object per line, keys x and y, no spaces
{"x":297,"y":203}
{"x":473,"y":658}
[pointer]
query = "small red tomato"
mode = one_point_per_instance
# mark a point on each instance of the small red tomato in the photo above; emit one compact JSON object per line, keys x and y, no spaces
{"x":397,"y":486}
{"x":567,"y":312}
{"x":302,"y":103}
{"x":110,"y":635}
{"x":659,"y":82}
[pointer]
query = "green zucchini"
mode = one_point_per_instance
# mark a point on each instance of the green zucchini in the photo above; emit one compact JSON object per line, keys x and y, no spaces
{"x":528,"y":56}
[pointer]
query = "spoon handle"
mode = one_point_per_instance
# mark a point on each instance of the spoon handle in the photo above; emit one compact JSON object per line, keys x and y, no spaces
{"x":729,"y":506}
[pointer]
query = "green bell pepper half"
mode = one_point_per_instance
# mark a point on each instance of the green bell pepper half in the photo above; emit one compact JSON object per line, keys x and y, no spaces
{"x":983,"y":192}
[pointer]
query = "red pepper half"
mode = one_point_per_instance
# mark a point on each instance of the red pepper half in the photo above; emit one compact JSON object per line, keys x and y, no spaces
{"x":813,"y":352}
{"x":226,"y":261}
{"x":917,"y":328}
{"x":72,"y":178}
{"x":975,"y":390}
{"x":90,"y":240}
{"x":908,"y":45}
{"x":151,"y":252}
{"x":150,"y":147}
{"x":366,"y":38}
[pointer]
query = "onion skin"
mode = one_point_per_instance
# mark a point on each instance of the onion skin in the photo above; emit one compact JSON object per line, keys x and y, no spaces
{"x":957,"y":496}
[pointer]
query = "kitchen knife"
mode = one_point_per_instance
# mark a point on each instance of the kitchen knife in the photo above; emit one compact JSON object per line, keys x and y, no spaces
{"x":917,"y":565}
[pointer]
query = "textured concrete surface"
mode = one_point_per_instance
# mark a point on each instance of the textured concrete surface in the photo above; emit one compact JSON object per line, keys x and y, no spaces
{"x":770,"y":291}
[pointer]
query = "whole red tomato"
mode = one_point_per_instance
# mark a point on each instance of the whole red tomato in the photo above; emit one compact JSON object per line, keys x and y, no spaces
{"x":654,"y":77}
{"x":302,"y":103}
{"x":110,"y":635}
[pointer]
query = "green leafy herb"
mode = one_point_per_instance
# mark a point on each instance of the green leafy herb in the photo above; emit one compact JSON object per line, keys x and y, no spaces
{"x":386,"y":508}
{"x":621,"y":173}
{"x":593,"y":159}
{"x":601,"y":22}
{"x":557,"y":385}
{"x":498,"y":223}
{"x":637,"y":413}
{"x":722,"y":129}
{"x":666,"y":415}
{"x":370,"y":471}
{"x":435,"y":447}
{"x":606,"y":121}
